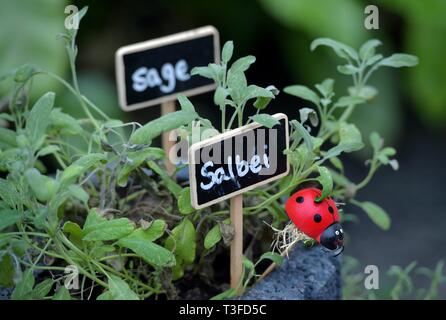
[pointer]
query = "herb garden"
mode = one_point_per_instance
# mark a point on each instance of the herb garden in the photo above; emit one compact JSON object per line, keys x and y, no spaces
{"x":94,"y":193}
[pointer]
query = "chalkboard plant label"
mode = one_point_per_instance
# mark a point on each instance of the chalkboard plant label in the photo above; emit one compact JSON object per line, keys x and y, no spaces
{"x":237,"y":161}
{"x":158,"y":70}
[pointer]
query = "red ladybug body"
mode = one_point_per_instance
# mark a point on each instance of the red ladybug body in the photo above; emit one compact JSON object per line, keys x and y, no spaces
{"x":318,"y":220}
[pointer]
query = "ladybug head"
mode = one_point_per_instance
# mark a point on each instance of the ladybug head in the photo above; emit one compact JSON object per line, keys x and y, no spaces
{"x":333,"y":238}
{"x":317,"y":219}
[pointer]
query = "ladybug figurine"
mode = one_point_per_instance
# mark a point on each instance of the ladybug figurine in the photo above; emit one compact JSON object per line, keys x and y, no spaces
{"x":318,"y":220}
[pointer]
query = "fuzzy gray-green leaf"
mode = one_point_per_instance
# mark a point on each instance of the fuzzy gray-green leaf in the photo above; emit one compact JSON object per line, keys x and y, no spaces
{"x":183,"y":240}
{"x":348,"y":100}
{"x":242,"y":64}
{"x":62,"y":294}
{"x":80,"y":166}
{"x":184,"y":203}
{"x":325,"y":87}
{"x":348,"y":69}
{"x":120,"y":290}
{"x":342,"y":50}
{"x":97,"y":228}
{"x":220,"y":96}
{"x":398,"y":60}
{"x":9,"y":217}
{"x":350,"y":140}
{"x":212,"y":237}
{"x":303,"y":93}
{"x":153,"y":232}
{"x":64,"y":123}
{"x":326,"y":181}
{"x":23,"y":289}
{"x":376,"y":214}
{"x":226,"y":52}
{"x":7,"y":138}
{"x":168,"y":122}
{"x":150,"y":252}
{"x":205,"y":72}
{"x":273,"y":256}
{"x":38,"y":119}
{"x":42,"y":289}
{"x":43,"y":187}
{"x":265,"y":120}
{"x":367,"y":50}
{"x":262,"y":102}
{"x":308,"y":113}
{"x":185,"y":104}
{"x":7,"y":269}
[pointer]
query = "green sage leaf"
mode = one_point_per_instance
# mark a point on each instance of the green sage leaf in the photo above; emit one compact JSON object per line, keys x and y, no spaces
{"x":342,"y":50}
{"x":38,"y":119}
{"x":184,"y":202}
{"x":168,"y":122}
{"x":376,"y":214}
{"x":152,"y":253}
{"x":326,"y":181}
{"x":265,"y":120}
{"x":183,"y":241}
{"x":120,"y":290}
{"x":398,"y":60}
{"x":226,"y":52}
{"x":302,"y":92}
{"x":212,"y":237}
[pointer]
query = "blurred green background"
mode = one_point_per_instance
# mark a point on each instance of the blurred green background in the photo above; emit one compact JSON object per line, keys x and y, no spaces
{"x":410,"y":110}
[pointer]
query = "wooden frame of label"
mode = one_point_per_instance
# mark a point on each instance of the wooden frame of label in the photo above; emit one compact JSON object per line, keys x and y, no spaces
{"x":223,"y":136}
{"x":155,"y":43}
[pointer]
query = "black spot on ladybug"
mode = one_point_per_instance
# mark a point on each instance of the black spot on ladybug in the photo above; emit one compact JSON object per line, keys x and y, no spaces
{"x":300,"y":199}
{"x":317,"y":218}
{"x":330,"y":209}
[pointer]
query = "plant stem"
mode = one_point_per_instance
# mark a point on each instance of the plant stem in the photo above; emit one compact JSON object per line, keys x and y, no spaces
{"x":37,"y":234}
{"x":129,"y":255}
{"x":98,"y":265}
{"x":81,"y":270}
{"x":41,"y":267}
{"x":241,"y":110}
{"x":346,"y":114}
{"x":78,"y":93}
{"x":234,"y":115}
{"x":92,"y":105}
{"x":373,"y":168}
{"x":223,"y":118}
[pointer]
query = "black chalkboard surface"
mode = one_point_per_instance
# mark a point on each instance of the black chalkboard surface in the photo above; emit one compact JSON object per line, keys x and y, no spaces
{"x":156,"y":71}
{"x":237,"y":161}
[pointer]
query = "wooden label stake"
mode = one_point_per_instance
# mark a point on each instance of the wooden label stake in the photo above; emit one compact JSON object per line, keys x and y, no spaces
{"x":236,"y":210}
{"x":168,"y":107}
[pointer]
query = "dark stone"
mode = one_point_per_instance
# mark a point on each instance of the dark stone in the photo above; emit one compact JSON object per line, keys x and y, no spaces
{"x":5,"y":293}
{"x":308,"y":273}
